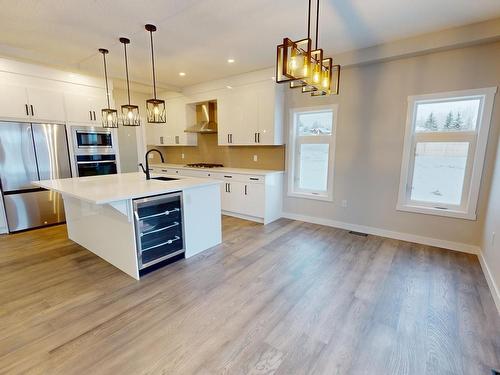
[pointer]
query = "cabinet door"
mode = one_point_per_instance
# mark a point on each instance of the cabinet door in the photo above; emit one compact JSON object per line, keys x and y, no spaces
{"x":266,"y":116}
{"x":13,"y":102}
{"x":253,"y":200}
{"x":224,"y":121}
{"x":245,"y":116}
{"x":46,"y":105}
{"x":83,"y":108}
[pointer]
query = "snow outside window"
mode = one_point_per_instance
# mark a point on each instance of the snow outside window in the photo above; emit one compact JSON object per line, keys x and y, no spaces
{"x":311,"y":150}
{"x":444,"y":151}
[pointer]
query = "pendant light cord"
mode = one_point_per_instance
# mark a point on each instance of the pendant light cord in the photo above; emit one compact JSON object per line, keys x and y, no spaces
{"x":126,"y":72}
{"x":106,"y":79}
{"x":317,"y":23}
{"x":309,"y":21}
{"x":153,"y":62}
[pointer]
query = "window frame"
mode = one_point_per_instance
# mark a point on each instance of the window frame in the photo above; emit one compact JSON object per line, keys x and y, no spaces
{"x":475,"y":159}
{"x":293,"y":154}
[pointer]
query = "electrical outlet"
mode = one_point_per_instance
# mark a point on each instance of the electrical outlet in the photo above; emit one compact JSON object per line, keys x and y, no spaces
{"x":343,"y":203}
{"x":182,"y":156}
{"x":255,"y":158}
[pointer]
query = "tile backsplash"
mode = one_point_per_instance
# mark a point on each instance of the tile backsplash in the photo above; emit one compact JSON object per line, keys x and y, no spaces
{"x":207,"y":151}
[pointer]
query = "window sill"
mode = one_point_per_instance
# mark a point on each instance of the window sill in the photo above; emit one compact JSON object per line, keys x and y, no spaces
{"x":437,"y":212}
{"x":317,"y":197}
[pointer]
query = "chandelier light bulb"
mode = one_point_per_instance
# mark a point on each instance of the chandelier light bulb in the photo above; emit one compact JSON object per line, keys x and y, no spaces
{"x":156,"y":109}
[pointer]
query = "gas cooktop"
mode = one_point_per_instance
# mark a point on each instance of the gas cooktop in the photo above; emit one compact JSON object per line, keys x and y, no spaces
{"x":204,"y":165}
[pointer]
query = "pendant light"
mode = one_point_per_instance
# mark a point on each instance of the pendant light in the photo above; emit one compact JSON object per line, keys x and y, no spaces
{"x":109,"y":116}
{"x":155,"y":107}
{"x":305,"y":68}
{"x":130,"y":113}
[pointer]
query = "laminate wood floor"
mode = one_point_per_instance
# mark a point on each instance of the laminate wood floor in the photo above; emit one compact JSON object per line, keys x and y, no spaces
{"x":287,"y":298}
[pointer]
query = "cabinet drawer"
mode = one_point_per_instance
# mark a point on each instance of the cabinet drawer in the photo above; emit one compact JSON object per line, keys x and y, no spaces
{"x":239,"y":177}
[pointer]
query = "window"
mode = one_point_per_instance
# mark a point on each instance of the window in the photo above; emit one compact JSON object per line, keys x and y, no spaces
{"x":311,"y":150}
{"x":445,"y":144}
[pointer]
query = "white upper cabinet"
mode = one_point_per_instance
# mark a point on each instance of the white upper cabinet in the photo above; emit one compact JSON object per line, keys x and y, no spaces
{"x":173,"y":132}
{"x":81,"y":108}
{"x":29,"y":103}
{"x":46,"y":105}
{"x":251,"y":115}
{"x":13,"y":102}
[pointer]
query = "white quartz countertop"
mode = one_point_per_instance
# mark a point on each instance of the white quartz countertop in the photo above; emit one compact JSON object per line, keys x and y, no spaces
{"x":119,"y":187}
{"x":255,"y":172}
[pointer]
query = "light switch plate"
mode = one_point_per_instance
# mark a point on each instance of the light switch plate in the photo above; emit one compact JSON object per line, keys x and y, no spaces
{"x":255,"y":158}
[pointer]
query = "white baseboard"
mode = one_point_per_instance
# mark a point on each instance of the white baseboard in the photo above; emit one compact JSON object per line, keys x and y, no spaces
{"x":244,"y":217}
{"x":429,"y":241}
{"x":494,"y":289}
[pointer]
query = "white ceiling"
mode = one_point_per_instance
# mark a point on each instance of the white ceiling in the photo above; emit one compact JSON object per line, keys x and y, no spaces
{"x":198,"y":36}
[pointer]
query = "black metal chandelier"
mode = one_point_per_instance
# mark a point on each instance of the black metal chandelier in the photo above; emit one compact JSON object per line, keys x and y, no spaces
{"x":305,"y":68}
{"x":155,"y":107}
{"x":130,"y":113}
{"x":109,"y":116}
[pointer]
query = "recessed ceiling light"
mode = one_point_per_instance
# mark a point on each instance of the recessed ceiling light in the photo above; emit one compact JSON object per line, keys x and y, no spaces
{"x":230,"y":61}
{"x":182,"y":74}
{"x":229,"y":87}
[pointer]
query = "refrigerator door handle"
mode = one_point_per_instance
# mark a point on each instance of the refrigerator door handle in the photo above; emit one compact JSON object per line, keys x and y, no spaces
{"x":27,"y":110}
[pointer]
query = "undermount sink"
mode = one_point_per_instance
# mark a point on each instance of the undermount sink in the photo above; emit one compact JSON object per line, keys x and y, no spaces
{"x":163,"y":178}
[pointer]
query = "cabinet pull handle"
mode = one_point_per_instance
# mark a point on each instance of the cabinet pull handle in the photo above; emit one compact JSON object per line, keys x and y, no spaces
{"x":231,"y":138}
{"x":32,"y":111}
{"x":27,"y":111}
{"x":254,"y":179}
{"x":255,"y":137}
{"x":228,"y":138}
{"x":246,"y":190}
{"x":161,"y":140}
{"x":90,"y":114}
{"x":228,"y":187}
{"x":176,"y":139}
{"x":95,"y":117}
{"x":258,"y":137}
{"x":228,"y":176}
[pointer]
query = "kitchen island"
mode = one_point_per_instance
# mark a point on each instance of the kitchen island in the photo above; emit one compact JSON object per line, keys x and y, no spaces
{"x":119,"y":217}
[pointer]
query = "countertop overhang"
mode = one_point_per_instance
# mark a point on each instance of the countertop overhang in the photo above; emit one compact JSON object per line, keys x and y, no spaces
{"x":118,"y":187}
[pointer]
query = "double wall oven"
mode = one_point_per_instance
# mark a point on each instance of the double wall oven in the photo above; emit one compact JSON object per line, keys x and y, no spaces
{"x":94,"y":151}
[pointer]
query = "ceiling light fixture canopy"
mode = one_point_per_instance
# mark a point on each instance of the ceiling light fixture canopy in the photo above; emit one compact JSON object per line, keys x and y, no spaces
{"x":130,"y":112}
{"x":109,"y":116}
{"x":155,"y":107}
{"x":302,"y":67}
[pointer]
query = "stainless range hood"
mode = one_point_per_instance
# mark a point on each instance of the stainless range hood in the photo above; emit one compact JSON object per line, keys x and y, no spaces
{"x":206,"y":119}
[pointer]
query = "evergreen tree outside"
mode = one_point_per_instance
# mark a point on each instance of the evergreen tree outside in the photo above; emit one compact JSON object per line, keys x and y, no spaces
{"x":431,"y":123}
{"x":458,"y":122}
{"x":449,"y":121}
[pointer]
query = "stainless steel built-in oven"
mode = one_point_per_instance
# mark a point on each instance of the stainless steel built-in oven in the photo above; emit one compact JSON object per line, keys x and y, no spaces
{"x":94,"y":165}
{"x":158,"y":228}
{"x":92,"y":140}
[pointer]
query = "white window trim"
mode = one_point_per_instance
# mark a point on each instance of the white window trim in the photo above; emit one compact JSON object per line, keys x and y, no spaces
{"x":292,"y":149}
{"x":468,"y":211}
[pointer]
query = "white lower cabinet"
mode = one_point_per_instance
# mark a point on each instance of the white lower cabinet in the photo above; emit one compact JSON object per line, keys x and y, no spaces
{"x":253,"y":197}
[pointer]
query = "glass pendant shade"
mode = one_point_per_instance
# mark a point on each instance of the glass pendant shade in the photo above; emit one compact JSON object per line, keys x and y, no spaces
{"x":156,"y":111}
{"x":109,"y":118}
{"x":330,"y":79}
{"x":292,"y":60}
{"x":130,"y":115}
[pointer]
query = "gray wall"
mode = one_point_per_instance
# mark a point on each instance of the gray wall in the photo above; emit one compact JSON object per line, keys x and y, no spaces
{"x":491,"y":245}
{"x":372,"y":115}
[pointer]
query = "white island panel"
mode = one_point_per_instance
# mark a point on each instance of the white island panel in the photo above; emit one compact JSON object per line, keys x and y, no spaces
{"x":202,"y":219}
{"x":105,"y":231}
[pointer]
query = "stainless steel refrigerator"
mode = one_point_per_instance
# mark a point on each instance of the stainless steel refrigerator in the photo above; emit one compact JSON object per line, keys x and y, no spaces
{"x":31,"y":152}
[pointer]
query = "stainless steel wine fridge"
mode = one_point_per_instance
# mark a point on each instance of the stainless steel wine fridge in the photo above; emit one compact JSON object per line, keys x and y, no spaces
{"x":158,"y":228}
